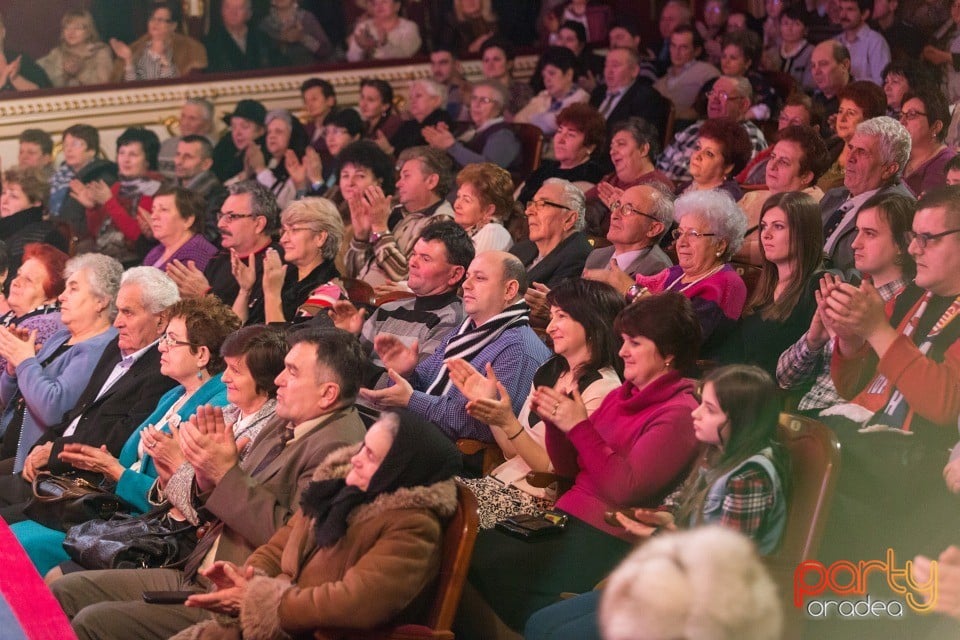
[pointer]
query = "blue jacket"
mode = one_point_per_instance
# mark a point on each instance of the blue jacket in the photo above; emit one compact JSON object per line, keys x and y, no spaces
{"x":49,"y":391}
{"x":134,"y":485}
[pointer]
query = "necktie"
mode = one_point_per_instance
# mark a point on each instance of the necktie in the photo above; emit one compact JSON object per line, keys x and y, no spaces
{"x":286,"y":435}
{"x":608,"y":102}
{"x":836,"y":218}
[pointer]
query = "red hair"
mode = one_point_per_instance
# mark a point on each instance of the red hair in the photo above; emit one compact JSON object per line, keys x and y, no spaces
{"x":54,"y":262}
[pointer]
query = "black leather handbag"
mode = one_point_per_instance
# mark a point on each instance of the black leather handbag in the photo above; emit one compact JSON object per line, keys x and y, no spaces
{"x":151,"y":540}
{"x":60,"y":502}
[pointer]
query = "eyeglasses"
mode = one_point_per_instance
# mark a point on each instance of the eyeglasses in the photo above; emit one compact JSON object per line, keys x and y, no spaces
{"x":540,"y":204}
{"x":691,"y":234}
{"x":722,"y":96}
{"x":291,"y":229}
{"x":482,"y":99}
{"x":233,"y":217}
{"x":922,"y":239}
{"x":169,"y":343}
{"x":628,"y":210}
{"x":910,"y":115}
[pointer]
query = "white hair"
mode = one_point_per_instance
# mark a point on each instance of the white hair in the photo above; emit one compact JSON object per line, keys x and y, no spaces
{"x":157,"y":291}
{"x":103,"y":276}
{"x":704,"y":584}
{"x":893,"y":140}
{"x":572,"y":197}
{"x":722,"y":214}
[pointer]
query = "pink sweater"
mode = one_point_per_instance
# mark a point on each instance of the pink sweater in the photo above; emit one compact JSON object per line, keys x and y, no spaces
{"x":633,"y":451}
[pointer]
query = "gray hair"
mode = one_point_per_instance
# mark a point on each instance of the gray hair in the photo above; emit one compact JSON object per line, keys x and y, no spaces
{"x":662,"y":205}
{"x":722,"y":214}
{"x":206,"y":105}
{"x":707,"y":582}
{"x":432,"y":88}
{"x":744,"y":88}
{"x":572,"y":197}
{"x":157,"y":291}
{"x":893,"y":140}
{"x":513,"y":269}
{"x":104,"y":277}
{"x":320,"y":215}
{"x":262,"y":201}
{"x":502,"y":93}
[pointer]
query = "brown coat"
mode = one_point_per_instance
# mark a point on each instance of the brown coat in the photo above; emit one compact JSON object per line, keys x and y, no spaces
{"x":380,"y":572}
{"x":189,"y":55}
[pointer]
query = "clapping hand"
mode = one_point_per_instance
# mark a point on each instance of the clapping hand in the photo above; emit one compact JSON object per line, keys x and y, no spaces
{"x":87,"y":458}
{"x":395,"y":354}
{"x":189,"y":279}
{"x":347,"y":317}
{"x":208,"y":444}
{"x":245,"y":273}
{"x":397,"y":395}
{"x":614,"y":276}
{"x":231,"y":582}
{"x":274,"y":272}
{"x":551,"y":405}
{"x":470,"y":382}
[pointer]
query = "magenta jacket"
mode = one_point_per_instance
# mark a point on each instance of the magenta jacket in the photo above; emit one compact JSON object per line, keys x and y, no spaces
{"x":633,"y":451}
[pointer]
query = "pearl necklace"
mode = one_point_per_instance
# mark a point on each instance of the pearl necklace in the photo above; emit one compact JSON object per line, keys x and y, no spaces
{"x":690,"y":284}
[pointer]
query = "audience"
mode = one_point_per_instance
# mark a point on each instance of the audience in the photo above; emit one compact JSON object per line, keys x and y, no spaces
{"x":686,"y":73}
{"x":81,"y":58}
{"x":446,"y":71}
{"x":795,"y":51}
{"x":721,"y":151}
{"x":232,"y":45}
{"x":859,"y":101}
{"x":320,"y":102}
{"x":246,"y":125}
{"x":35,"y":151}
{"x":496,"y":64}
{"x":22,"y":215}
{"x":559,"y":67}
{"x":162,"y":52}
{"x":830,"y":61}
{"x":286,"y":142}
{"x":177,"y":222}
{"x":869,"y":52}
{"x":797,"y":110}
{"x":384,"y":35}
{"x":427,"y":107}
{"x":375,"y":105}
{"x":925,"y":114}
{"x":469,"y":25}
{"x":18,"y":71}
{"x":625,"y":93}
{"x":296,"y":35}
{"x":196,"y":119}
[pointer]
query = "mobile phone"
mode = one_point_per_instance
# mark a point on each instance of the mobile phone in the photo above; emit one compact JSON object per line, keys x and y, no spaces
{"x":610,"y":517}
{"x":166,"y":597}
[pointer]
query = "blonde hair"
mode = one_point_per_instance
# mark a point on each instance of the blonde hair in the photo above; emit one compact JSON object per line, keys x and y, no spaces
{"x":85,"y":18}
{"x":320,"y":215}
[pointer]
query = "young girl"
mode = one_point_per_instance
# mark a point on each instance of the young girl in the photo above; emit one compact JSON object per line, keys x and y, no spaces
{"x":740,"y":482}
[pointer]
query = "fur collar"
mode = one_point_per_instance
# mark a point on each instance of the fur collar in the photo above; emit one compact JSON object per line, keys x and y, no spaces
{"x":440,"y":497}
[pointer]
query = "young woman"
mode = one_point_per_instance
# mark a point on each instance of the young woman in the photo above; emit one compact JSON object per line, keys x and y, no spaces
{"x":778,"y":312}
{"x":581,"y":316}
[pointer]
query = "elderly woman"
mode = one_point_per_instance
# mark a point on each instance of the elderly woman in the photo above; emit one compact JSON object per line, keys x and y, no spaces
{"x":177,"y":223}
{"x":926,"y":114}
{"x":80,"y":59}
{"x":782,"y":304}
{"x":633,"y":144}
{"x":426,"y":107}
{"x":795,"y":163}
{"x":721,"y":151}
{"x":286,"y":142}
{"x":492,"y":140}
{"x":581,"y":131}
{"x":582,"y":313}
{"x":559,"y":73}
{"x":384,"y":35}
{"x":190,"y":355}
{"x":34,"y":291}
{"x":363,"y":506}
{"x":710,"y":228}
{"x":376,"y":108}
{"x":117,"y":214}
{"x":859,"y":101}
{"x":22,"y":213}
{"x":557,"y":247}
{"x":253,"y":358}
{"x":161,"y":52}
{"x":39,"y":386}
{"x":496,"y":64}
{"x":645,"y":424}
{"x":484,"y":202}
{"x":311,"y":232}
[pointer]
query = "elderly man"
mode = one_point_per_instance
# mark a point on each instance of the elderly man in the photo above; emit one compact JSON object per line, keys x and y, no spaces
{"x":494,"y":339}
{"x":879,"y":151}
{"x":248,"y":502}
{"x":687,"y":73}
{"x":830,"y":65}
{"x":383,"y":237}
{"x":869,"y":52}
{"x":196,"y":119}
{"x":124,"y":387}
{"x":233,"y":46}
{"x":438,"y":264}
{"x":246,"y":221}
{"x":730,"y":98}
{"x":624,"y":94}
{"x":638,"y":219}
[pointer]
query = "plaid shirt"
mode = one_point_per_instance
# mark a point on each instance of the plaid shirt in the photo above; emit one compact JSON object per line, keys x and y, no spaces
{"x":675,"y":159}
{"x":800,"y":364}
{"x":749,"y":498}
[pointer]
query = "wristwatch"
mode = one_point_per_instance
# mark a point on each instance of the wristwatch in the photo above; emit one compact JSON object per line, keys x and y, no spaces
{"x":375,"y":236}
{"x":636,"y":291}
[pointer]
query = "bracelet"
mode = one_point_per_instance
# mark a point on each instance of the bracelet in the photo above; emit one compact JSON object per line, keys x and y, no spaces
{"x":516,"y":435}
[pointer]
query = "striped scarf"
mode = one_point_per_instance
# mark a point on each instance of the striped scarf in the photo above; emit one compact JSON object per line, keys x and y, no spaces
{"x":471,"y":340}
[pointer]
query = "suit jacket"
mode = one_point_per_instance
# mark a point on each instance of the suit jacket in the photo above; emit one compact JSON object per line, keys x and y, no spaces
{"x":110,"y":419}
{"x":641,"y":99}
{"x":841,"y":257}
{"x":647,"y":263}
{"x":251,"y":507}
{"x":223,"y":54}
{"x":566,"y":261}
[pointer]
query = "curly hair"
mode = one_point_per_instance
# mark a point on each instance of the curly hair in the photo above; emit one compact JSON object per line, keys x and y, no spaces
{"x":734,"y":141}
{"x":53,"y":261}
{"x":31,"y":181}
{"x":587,"y":120}
{"x":493,"y":185}
{"x":366,"y":153}
{"x":868,"y":97}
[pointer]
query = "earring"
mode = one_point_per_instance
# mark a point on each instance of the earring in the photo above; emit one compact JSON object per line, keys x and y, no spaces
{"x":200,"y":375}
{"x":719,"y":253}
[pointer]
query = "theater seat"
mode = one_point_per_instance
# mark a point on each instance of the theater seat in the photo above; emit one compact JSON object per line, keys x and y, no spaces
{"x":492,"y":455}
{"x":358,"y":291}
{"x":531,"y":147}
